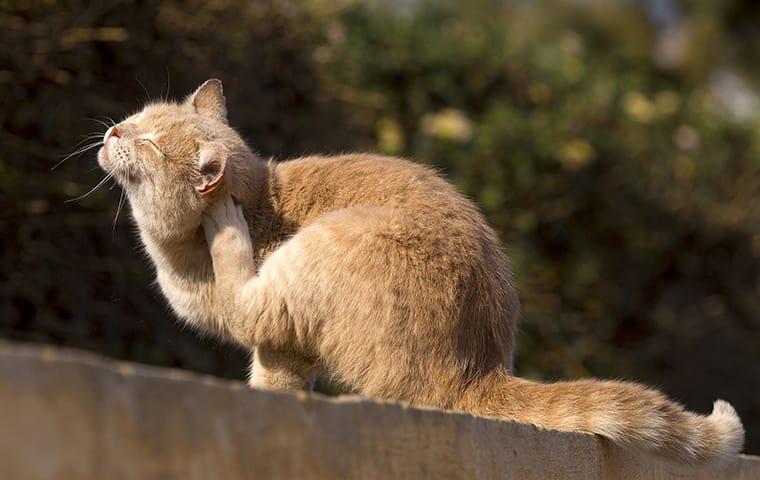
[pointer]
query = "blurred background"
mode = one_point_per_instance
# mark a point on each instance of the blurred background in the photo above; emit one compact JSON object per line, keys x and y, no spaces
{"x":615,"y":145}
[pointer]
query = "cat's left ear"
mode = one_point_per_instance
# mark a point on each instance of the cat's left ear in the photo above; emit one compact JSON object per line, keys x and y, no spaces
{"x":212,"y":165}
{"x":208,"y":100}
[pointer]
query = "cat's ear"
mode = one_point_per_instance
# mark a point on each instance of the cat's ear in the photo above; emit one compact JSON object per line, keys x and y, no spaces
{"x":212,"y":165}
{"x":208,"y":100}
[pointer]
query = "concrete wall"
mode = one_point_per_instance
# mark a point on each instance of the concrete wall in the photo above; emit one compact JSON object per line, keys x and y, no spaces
{"x":68,"y":415}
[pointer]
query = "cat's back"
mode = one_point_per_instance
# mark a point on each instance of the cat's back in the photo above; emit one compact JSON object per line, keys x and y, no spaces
{"x":312,"y":186}
{"x":406,"y":210}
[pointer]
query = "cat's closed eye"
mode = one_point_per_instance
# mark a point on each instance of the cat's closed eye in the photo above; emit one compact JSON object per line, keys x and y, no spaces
{"x":151,"y":143}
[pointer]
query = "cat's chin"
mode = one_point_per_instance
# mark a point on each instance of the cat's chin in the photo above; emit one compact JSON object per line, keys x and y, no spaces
{"x":119,"y":172}
{"x":104,"y":161}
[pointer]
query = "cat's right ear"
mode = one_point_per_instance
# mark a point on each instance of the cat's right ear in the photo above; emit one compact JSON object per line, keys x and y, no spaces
{"x":212,"y":165}
{"x":208,"y":100}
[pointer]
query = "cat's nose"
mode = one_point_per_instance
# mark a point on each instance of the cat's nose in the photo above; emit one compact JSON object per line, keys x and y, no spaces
{"x":122,"y":130}
{"x":112,"y":132}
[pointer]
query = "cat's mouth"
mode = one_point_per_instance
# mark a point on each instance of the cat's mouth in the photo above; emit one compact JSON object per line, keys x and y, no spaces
{"x":106,"y":162}
{"x":117,"y":167}
{"x":114,"y":155}
{"x":103,"y":159}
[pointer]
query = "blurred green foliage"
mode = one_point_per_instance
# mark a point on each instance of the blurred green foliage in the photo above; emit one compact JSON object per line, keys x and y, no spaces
{"x":619,"y":165}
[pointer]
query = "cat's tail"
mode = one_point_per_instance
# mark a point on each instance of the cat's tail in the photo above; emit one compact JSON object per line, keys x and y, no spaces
{"x":626,"y":413}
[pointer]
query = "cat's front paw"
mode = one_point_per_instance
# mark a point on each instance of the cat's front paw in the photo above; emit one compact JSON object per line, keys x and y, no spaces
{"x":226,"y":230}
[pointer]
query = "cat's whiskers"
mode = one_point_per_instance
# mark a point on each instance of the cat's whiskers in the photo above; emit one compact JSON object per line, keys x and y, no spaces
{"x":147,"y":95}
{"x":89,"y":137}
{"x":78,"y":151}
{"x":122,"y":197}
{"x":100,"y":122}
{"x":93,"y":189}
{"x":86,"y":138}
{"x":168,"y":84}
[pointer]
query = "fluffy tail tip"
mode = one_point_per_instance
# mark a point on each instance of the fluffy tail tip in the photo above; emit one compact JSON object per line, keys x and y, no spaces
{"x":729,"y":427}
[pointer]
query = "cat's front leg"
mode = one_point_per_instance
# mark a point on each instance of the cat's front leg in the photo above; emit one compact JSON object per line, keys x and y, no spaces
{"x":231,"y":251}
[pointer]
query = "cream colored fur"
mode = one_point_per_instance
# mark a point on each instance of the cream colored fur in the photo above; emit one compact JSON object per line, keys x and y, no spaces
{"x":369,"y":269}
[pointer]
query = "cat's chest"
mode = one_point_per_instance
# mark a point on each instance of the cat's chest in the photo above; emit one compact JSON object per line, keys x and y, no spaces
{"x":189,"y":299}
{"x":187,"y":282}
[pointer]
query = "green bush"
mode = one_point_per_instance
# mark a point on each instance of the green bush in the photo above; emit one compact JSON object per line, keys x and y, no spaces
{"x":610,"y":179}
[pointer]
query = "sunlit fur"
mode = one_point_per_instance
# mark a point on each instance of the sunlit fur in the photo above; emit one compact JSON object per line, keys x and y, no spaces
{"x":369,"y":269}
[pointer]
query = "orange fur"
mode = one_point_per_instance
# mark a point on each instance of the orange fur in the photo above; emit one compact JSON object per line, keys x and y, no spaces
{"x":369,"y":269}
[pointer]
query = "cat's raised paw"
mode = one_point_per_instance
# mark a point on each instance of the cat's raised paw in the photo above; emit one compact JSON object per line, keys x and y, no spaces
{"x":225,"y":227}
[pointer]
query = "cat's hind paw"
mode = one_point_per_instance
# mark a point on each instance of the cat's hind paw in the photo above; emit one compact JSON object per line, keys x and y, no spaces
{"x":226,"y":229}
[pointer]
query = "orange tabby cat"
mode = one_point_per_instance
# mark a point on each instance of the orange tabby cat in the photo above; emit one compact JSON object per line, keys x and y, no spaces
{"x":369,"y":269}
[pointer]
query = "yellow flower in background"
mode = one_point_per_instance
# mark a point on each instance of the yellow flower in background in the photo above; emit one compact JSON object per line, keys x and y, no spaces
{"x":684,"y":168}
{"x":572,"y":69}
{"x":539,"y":93}
{"x":571,"y":43}
{"x":638,"y":107}
{"x":576,"y":154}
{"x":37,"y":206}
{"x":390,"y":137}
{"x":448,"y":124}
{"x":667,"y":103}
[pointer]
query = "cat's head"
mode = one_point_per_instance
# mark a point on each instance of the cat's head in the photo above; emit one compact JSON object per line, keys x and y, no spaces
{"x":173,"y":158}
